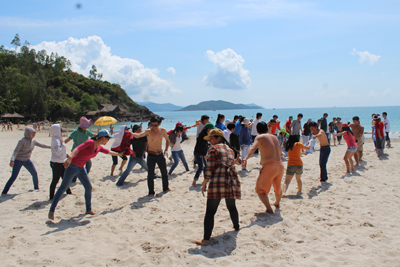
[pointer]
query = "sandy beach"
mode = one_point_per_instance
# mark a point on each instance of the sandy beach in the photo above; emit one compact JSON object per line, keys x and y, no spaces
{"x":353,"y":220}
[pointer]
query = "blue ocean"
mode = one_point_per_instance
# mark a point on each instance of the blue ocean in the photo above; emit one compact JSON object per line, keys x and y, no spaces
{"x":346,"y":113}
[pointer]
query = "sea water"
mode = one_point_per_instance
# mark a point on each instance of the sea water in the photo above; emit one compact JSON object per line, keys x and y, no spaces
{"x":189,"y":118}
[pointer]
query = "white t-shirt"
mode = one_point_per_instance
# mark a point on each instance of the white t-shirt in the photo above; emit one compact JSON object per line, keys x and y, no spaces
{"x":387,"y":127}
{"x":254,"y":127}
{"x":227,"y":133}
{"x":177,"y":146}
{"x":200,"y":127}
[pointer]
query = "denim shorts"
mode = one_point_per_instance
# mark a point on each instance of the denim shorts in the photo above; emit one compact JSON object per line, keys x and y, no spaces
{"x":352,"y":149}
{"x":294,"y":169}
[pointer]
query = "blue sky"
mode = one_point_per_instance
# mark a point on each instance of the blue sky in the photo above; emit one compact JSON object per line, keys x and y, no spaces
{"x":272,"y":53}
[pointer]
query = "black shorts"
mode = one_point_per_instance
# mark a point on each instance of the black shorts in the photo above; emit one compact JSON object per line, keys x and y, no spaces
{"x":115,"y":158}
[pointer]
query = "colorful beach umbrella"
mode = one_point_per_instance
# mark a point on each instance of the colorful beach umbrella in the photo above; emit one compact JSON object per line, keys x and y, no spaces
{"x":105,"y":120}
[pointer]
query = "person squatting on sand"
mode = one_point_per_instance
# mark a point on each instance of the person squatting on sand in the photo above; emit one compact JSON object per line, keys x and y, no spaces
{"x":155,"y":154}
{"x":22,"y":157}
{"x":352,"y":147}
{"x":200,"y":151}
{"x":175,"y":139}
{"x":295,"y":164}
{"x":358,"y":131}
{"x":325,"y":149}
{"x":75,"y":166}
{"x":223,"y":182}
{"x":58,"y":157}
{"x":272,"y":167}
{"x":79,"y":136}
{"x":121,"y":144}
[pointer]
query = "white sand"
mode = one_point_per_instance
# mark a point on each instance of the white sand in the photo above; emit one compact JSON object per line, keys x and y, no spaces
{"x":353,"y":220}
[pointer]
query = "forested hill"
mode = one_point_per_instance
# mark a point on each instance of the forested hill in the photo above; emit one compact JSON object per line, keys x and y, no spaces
{"x":44,"y":86}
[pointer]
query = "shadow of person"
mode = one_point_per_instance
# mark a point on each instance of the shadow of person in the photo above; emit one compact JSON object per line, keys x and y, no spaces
{"x":196,"y":188}
{"x":220,"y":246}
{"x":111,"y":211}
{"x":37,"y":205}
{"x":315,"y":191}
{"x":109,"y":177}
{"x":67,"y":224}
{"x":264,"y":219}
{"x":127,"y":185}
{"x":4,"y":198}
{"x":143,"y":200}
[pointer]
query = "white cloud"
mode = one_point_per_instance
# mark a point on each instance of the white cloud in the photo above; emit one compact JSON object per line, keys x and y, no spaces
{"x":230,"y":73}
{"x":366,"y":56}
{"x":171,"y":70}
{"x":132,"y":75}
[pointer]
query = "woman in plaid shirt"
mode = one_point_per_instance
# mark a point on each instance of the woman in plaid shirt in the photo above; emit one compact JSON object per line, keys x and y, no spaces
{"x":224,"y":183}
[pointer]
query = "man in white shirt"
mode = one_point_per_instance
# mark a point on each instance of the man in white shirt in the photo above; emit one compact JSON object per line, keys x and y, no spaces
{"x":201,"y":123}
{"x":386,"y":124}
{"x":254,"y":128}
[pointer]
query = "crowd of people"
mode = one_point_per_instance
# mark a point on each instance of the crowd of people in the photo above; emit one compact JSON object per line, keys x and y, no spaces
{"x":218,"y":148}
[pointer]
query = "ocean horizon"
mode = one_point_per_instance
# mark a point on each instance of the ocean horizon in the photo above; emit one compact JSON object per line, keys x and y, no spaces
{"x":189,"y":118}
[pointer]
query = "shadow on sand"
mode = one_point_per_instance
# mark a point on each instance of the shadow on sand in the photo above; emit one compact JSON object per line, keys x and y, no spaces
{"x":315,"y":191}
{"x":67,"y":224}
{"x":224,"y":244}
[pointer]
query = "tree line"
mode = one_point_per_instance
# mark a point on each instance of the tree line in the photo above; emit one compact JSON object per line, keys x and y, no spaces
{"x":45,"y":87}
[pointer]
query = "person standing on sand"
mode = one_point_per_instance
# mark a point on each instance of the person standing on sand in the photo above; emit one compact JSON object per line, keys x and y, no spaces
{"x":79,"y":136}
{"x":254,"y":128}
{"x":379,"y":135}
{"x":58,"y":156}
{"x":200,"y":151}
{"x":75,"y":167}
{"x":295,"y":164}
{"x":386,"y":124}
{"x":276,"y":127}
{"x":325,"y":149}
{"x":245,"y":139}
{"x":155,"y":154}
{"x":339,"y":125}
{"x":296,"y":127}
{"x":121,"y":144}
{"x":288,"y":125}
{"x":175,"y":139}
{"x":331,"y":127}
{"x":272,"y":166}
{"x":220,"y":122}
{"x":324,"y":124}
{"x":358,"y":131}
{"x":348,"y":136}
{"x":22,"y":157}
{"x":305,"y":134}
{"x":234,"y":138}
{"x":224,"y":182}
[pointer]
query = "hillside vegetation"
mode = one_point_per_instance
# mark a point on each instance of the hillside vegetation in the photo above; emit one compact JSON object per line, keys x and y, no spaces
{"x":45,"y":87}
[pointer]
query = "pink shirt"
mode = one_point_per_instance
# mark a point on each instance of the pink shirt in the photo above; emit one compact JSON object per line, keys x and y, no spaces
{"x":86,"y":152}
{"x":350,"y":140}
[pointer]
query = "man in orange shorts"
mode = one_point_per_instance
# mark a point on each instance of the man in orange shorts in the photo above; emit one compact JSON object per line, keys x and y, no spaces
{"x":272,"y":170}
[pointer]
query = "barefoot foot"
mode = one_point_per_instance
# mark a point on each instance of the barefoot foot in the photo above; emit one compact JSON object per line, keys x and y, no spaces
{"x":276,"y":205}
{"x":270,"y":211}
{"x":90,"y":212}
{"x":194,"y":183}
{"x":51,"y":215}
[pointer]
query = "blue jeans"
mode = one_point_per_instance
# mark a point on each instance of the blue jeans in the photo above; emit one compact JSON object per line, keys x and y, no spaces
{"x":69,"y":174}
{"x":201,"y":162}
{"x":88,"y":166}
{"x":387,"y":137}
{"x":132,"y":162}
{"x":378,"y":144}
{"x":152,"y":160}
{"x":323,"y":160}
{"x":176,"y":155}
{"x":15,"y":171}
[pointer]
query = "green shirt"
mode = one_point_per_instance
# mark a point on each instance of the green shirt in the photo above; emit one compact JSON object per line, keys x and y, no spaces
{"x":79,"y":136}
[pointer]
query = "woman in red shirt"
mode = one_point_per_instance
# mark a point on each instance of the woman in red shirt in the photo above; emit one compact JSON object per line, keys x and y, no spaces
{"x":75,"y":166}
{"x":351,"y":146}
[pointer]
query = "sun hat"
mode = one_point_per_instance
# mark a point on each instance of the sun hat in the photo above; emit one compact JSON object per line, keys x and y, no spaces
{"x":214,"y":132}
{"x":345,"y":124}
{"x":104,"y":133}
{"x":290,"y":117}
{"x":377,"y":117}
{"x":209,"y":126}
{"x":246,"y":121}
{"x":84,"y":122}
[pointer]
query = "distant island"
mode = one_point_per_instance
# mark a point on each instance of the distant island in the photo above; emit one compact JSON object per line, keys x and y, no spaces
{"x":156,"y":107}
{"x":219,"y":105}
